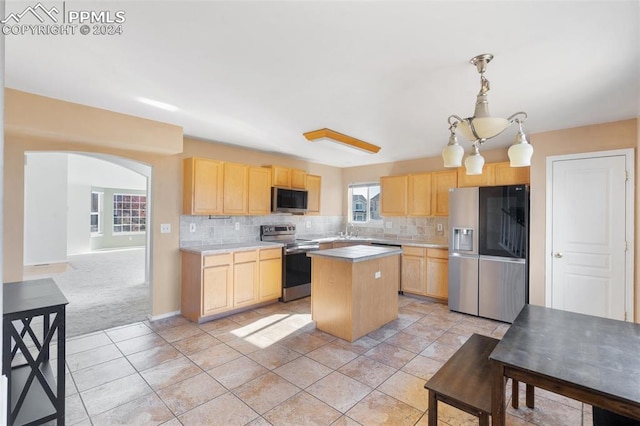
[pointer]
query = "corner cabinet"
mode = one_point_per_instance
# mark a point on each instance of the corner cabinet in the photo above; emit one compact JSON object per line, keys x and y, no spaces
{"x":202,"y":192}
{"x":314,"y":184}
{"x":217,"y":284}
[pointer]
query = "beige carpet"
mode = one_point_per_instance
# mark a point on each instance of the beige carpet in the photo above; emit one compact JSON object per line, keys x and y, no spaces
{"x":105,"y":289}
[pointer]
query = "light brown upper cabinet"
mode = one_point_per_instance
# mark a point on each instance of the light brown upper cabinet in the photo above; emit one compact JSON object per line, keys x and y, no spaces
{"x":202,"y":191}
{"x":440,"y":184}
{"x":314,"y":184}
{"x":259,"y":191}
{"x":236,"y":186}
{"x":281,"y":176}
{"x":286,"y":177}
{"x":487,"y":178}
{"x":419,"y":193}
{"x":393,"y":195}
{"x":298,"y":179}
{"x":494,"y":174}
{"x":507,"y":175}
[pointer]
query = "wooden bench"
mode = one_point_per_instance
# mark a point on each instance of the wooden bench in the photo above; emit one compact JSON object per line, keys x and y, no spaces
{"x":464,"y":381}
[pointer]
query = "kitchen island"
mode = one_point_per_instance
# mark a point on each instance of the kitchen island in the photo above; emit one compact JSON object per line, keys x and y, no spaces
{"x":354,"y":289}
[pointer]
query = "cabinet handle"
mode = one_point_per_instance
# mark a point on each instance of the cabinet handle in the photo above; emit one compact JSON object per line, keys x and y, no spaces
{"x":558,"y":255}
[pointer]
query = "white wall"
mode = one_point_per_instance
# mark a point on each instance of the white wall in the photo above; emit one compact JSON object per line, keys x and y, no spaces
{"x":85,"y":172}
{"x":45,"y":207}
{"x":57,"y":202}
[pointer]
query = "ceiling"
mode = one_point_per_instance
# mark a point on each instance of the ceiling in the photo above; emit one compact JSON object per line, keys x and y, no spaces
{"x":259,"y":74}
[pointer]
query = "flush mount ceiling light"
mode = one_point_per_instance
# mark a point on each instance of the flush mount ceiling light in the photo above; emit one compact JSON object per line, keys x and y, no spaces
{"x":333,"y":136}
{"x":483,"y":126}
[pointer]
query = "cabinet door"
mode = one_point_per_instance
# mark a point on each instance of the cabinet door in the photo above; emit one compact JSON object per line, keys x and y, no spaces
{"x":259,"y":198}
{"x":281,"y":176}
{"x":419,"y":192}
{"x":393,"y":195}
{"x":217,"y":289}
{"x":507,"y":175}
{"x":314,"y":184}
{"x":413,"y":270}
{"x":298,"y":179}
{"x":270,"y":287}
{"x":437,"y":273}
{"x":487,"y":178}
{"x":440,"y":184}
{"x":245,"y":278}
{"x":235,"y":189}
{"x":202,"y":186}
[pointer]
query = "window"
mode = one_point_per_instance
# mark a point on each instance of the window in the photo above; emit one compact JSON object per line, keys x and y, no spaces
{"x":129,"y":213}
{"x":96,"y":212}
{"x":364,"y":202}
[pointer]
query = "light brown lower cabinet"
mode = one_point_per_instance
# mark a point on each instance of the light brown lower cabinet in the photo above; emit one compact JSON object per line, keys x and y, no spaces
{"x":227,"y":282}
{"x":425,"y":271}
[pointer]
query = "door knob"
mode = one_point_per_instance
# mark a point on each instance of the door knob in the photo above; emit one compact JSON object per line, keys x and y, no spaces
{"x":558,"y":255}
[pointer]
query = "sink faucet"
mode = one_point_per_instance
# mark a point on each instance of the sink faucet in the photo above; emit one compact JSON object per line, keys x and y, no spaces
{"x":346,"y":229}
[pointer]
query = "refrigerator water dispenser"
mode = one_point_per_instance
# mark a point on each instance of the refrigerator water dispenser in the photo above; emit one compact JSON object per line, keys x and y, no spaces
{"x":462,"y":239}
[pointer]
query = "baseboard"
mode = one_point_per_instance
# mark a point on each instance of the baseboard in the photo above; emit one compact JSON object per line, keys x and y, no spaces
{"x":163,"y":316}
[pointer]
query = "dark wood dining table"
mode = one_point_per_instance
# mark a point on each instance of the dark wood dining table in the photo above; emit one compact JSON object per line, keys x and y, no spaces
{"x":591,"y":359}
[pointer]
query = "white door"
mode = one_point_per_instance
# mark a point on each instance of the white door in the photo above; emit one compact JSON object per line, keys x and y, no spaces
{"x":589,"y":212}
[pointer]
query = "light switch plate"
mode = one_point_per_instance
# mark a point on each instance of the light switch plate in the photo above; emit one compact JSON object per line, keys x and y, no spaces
{"x":165,"y":228}
{"x":192,"y":227}
{"x":377,"y":274}
{"x":237,"y":226}
{"x":388,"y":225}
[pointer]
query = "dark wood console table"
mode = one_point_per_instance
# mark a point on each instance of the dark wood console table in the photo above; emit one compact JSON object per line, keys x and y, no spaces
{"x":34,"y":395}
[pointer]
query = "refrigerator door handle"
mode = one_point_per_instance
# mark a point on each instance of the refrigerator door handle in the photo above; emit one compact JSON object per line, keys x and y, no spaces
{"x":504,"y":259}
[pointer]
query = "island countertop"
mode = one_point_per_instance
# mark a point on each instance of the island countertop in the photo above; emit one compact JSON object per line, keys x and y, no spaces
{"x":359,"y":253}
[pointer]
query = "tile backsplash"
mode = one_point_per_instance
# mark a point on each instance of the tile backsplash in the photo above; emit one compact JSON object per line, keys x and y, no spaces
{"x":239,"y":229}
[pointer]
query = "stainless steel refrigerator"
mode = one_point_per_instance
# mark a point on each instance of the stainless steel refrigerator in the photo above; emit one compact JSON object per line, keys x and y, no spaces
{"x":489,"y":250}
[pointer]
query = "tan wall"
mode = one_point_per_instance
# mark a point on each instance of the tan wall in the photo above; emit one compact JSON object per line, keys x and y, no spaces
{"x":39,"y":116}
{"x":166,"y":190}
{"x":602,"y":137}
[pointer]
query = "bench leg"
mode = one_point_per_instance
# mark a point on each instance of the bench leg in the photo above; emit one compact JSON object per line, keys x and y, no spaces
{"x":515,"y":395}
{"x":433,"y":409}
{"x":530,"y":395}
{"x":484,"y":419}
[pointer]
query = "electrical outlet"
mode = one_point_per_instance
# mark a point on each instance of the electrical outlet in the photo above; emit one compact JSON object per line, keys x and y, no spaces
{"x":237,"y":226}
{"x":388,"y":225}
{"x":439,"y":227}
{"x":192,"y":227}
{"x":308,"y":224}
{"x":165,"y":228}
{"x":377,"y":275}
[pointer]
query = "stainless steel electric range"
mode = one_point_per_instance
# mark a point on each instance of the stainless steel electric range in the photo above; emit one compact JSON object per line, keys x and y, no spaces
{"x":296,"y":266}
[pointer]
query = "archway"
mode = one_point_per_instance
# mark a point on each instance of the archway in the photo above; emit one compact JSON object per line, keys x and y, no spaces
{"x":99,"y":257}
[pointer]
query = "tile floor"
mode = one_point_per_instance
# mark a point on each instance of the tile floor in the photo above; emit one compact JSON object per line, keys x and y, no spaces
{"x":272,"y":366}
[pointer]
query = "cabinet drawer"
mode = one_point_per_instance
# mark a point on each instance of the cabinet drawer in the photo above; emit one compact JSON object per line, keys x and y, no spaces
{"x":245,"y":256}
{"x":270,"y":253}
{"x":413,"y":251}
{"x":216,"y":260}
{"x":438,"y":253}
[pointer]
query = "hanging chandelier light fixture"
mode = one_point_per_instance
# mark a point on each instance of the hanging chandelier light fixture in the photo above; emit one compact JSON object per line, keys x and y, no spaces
{"x":481,"y":127}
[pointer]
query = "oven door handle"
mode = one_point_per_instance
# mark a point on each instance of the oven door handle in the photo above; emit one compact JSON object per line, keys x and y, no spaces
{"x":301,"y":249}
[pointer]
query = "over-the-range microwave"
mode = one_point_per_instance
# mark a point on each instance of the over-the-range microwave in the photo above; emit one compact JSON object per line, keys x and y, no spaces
{"x":285,"y":200}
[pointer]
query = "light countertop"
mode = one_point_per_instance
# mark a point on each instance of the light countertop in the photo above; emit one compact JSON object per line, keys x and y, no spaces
{"x":358,"y":253}
{"x":231,"y":247}
{"x":365,"y":240}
